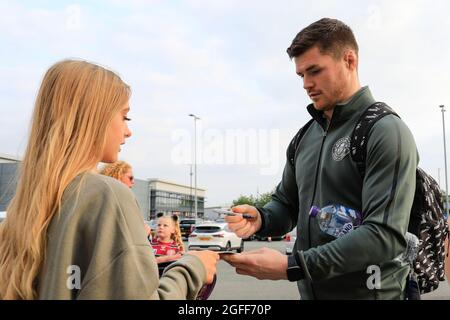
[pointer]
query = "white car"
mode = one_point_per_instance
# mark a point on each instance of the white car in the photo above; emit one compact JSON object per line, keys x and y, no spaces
{"x":214,"y":236}
{"x":2,"y":215}
{"x":290,"y":240}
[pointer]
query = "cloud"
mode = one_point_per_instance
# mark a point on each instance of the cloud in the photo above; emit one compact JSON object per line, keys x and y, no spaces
{"x":225,"y":61}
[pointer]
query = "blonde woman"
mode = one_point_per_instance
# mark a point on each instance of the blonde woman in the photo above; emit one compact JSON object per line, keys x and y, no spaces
{"x":84,"y":237}
{"x":123,"y":172}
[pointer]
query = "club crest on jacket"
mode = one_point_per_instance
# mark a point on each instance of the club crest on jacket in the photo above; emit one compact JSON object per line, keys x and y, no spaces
{"x":341,"y":149}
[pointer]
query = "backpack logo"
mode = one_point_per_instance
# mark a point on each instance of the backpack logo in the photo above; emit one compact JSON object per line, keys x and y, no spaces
{"x":341,"y":149}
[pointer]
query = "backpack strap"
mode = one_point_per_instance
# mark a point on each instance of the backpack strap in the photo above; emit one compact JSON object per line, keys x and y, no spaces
{"x":292,"y":149}
{"x":360,"y":134}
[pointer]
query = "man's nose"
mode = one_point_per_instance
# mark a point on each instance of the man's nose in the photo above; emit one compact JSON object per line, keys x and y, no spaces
{"x":307,"y":83}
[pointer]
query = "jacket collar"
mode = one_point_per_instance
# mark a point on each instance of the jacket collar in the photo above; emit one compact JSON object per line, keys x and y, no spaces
{"x":345,"y":110}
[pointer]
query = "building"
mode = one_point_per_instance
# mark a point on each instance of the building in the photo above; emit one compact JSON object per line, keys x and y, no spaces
{"x":153,"y":195}
{"x":160,"y":196}
{"x":9,"y":166}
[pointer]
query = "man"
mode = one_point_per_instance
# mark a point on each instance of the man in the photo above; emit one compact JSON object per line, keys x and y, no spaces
{"x":360,"y":264}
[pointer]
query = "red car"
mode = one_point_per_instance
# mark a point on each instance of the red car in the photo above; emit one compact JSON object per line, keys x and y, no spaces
{"x":187,"y":225}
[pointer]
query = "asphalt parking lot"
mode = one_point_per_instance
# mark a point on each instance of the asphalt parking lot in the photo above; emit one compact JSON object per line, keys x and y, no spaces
{"x":231,"y":286}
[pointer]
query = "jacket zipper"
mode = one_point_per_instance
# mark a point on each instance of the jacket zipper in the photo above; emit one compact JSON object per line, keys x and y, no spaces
{"x":314,"y":192}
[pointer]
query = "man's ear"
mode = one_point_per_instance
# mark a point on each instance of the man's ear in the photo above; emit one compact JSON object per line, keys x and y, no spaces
{"x":351,"y":60}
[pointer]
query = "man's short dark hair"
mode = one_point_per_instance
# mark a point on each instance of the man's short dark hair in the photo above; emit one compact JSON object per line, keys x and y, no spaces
{"x":331,"y":36}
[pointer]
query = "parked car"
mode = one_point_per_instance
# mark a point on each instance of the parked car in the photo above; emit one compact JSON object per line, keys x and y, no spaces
{"x":290,"y":240}
{"x":215,"y":236}
{"x":2,"y":215}
{"x":251,"y":238}
{"x":187,"y":225}
{"x":272,"y":238}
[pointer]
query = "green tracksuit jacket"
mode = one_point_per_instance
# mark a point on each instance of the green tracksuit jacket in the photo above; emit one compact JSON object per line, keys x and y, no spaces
{"x":343,"y":268}
{"x":97,"y":249}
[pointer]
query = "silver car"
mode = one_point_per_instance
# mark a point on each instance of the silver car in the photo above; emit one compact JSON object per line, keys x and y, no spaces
{"x":290,"y":240}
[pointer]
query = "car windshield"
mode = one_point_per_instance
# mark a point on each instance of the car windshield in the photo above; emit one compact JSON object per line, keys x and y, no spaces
{"x":187,"y":222}
{"x":207,"y":229}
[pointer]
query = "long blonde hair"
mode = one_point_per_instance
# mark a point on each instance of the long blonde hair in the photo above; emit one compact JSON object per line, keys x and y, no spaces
{"x":177,"y":235}
{"x":74,"y":107}
{"x":116,"y":170}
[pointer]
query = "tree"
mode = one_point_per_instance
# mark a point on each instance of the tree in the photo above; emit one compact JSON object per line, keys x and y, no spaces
{"x":259,"y":201}
{"x":250,"y":200}
{"x":264,"y":199}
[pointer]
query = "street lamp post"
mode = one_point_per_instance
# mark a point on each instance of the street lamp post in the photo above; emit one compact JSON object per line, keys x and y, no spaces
{"x":190,"y":190}
{"x":445,"y":159}
{"x":195,"y":163}
{"x":439,"y":176}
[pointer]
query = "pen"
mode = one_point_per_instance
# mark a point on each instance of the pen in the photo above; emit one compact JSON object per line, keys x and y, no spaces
{"x":232,"y":214}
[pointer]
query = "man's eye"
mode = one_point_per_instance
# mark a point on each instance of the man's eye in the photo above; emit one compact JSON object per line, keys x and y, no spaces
{"x":126,"y":119}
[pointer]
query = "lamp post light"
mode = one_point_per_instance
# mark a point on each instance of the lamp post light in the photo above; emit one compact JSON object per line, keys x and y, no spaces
{"x":195,"y":163}
{"x":445,"y":159}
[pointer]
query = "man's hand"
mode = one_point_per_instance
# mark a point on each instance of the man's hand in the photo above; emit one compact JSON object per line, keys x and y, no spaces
{"x":263,"y":264}
{"x":244,"y":228}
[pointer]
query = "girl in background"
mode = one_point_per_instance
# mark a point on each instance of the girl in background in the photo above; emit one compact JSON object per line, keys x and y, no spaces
{"x":168,"y":245}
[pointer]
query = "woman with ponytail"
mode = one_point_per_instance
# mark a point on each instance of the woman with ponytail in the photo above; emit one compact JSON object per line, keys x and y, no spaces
{"x":83,"y":235}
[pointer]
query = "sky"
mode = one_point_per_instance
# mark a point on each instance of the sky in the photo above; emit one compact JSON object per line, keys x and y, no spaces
{"x":224,"y":61}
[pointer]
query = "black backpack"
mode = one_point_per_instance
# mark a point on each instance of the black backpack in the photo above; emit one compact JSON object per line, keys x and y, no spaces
{"x":427,"y":219}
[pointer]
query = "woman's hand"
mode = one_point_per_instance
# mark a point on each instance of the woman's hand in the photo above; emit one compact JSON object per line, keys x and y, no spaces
{"x":209,"y":260}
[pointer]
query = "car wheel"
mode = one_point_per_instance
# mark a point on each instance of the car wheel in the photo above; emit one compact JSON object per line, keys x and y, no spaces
{"x":241,"y":248}
{"x":228,"y":247}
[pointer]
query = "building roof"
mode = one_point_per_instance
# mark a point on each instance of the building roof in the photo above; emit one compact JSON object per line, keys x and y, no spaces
{"x":173,"y":183}
{"x":8,"y":157}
